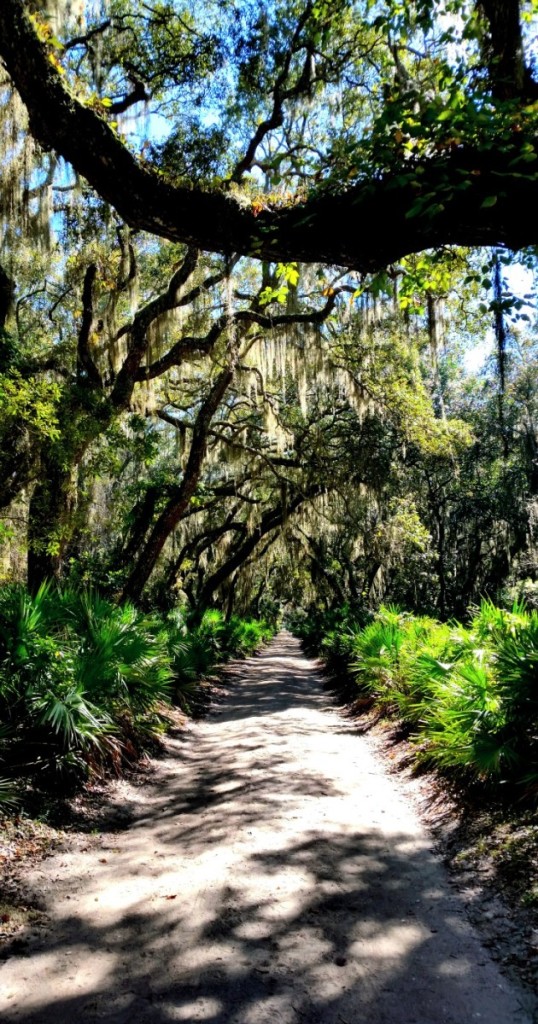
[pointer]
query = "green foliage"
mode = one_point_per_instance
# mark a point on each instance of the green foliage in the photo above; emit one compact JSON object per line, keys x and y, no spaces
{"x":467,"y":694}
{"x":32,"y":401}
{"x":123,"y":655}
{"x":84,"y":682}
{"x":193,"y":152}
{"x":196,"y":651}
{"x":331,"y":631}
{"x":243,"y":636}
{"x":78,"y":676}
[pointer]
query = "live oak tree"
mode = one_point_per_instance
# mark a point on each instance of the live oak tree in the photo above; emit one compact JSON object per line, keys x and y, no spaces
{"x":129,"y":351}
{"x":385,"y":129}
{"x":331,"y":493}
{"x":256,"y":472}
{"x":447,"y":523}
{"x":345,"y":135}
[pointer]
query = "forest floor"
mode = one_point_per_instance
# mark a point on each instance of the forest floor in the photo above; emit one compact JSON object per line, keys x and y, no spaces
{"x":269,"y":868}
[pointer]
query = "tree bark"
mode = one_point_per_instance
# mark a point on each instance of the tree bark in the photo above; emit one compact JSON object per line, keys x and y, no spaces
{"x":503,"y":50}
{"x":176,"y":506}
{"x":50,"y":522}
{"x":7,"y":292}
{"x":364,"y":227}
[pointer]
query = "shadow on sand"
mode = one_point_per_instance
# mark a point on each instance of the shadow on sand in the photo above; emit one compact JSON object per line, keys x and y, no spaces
{"x":259,"y":884}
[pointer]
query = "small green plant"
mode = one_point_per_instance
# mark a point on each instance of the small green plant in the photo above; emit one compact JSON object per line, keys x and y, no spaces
{"x":79,"y":678}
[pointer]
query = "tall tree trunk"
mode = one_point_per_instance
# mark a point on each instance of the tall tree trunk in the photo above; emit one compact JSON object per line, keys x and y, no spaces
{"x":501,"y":339}
{"x":7,"y":292}
{"x":441,"y":568}
{"x":230,"y":599}
{"x":50,"y":522}
{"x":503,"y":49}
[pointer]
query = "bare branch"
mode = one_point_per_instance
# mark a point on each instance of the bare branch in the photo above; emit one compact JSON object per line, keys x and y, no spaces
{"x":138,"y":95}
{"x":276,"y":116}
{"x":91,"y":34}
{"x":123,"y":387}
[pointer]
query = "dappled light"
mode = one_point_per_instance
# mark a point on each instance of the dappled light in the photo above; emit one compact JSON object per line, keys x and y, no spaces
{"x":270,"y":872}
{"x":253,"y":258}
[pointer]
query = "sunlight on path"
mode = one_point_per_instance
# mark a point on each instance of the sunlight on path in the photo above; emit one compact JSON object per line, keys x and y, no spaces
{"x":272,"y":873}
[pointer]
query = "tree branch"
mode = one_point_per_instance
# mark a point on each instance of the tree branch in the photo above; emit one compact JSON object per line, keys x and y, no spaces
{"x":276,"y":116}
{"x":91,"y":34}
{"x":268,"y":320}
{"x":128,"y":373}
{"x":138,"y":95}
{"x":364,"y":227}
{"x":183,"y":349}
{"x":176,"y":506}
{"x":86,"y":368}
{"x":271,"y":520}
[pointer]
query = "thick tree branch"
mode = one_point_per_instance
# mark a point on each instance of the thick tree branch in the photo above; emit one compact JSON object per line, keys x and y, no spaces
{"x":176,"y":507}
{"x":194,"y":548}
{"x":190,"y":346}
{"x":138,"y":95}
{"x":183,"y":349}
{"x":366,"y":227}
{"x":269,"y":320}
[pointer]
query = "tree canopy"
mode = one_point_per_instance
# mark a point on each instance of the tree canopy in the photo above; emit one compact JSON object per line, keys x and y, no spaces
{"x":379,"y":129}
{"x":233,"y":313}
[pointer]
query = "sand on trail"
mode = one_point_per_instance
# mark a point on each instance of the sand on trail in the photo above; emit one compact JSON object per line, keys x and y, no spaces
{"x":273,"y":872}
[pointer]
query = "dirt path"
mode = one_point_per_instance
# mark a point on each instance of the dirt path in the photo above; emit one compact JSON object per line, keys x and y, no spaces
{"x":273,"y":873}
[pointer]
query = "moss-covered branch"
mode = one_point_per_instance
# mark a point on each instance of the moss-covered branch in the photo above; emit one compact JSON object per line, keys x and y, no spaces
{"x":467,"y":197}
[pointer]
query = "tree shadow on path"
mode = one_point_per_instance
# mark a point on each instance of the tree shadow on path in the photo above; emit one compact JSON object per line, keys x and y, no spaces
{"x":271,"y":874}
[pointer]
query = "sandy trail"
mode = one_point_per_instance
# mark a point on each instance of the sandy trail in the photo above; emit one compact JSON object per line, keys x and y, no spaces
{"x":273,"y":873}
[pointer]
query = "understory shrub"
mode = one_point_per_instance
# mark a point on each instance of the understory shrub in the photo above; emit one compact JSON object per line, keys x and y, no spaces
{"x":328,"y":632}
{"x":196,"y":650}
{"x":85,"y":683}
{"x":468,"y":694}
{"x":80,"y":682}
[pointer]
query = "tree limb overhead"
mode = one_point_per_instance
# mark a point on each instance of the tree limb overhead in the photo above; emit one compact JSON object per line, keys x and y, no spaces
{"x":365,"y":226}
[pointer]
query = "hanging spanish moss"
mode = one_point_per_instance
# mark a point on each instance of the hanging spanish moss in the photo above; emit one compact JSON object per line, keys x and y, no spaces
{"x":501,"y":340}
{"x":17,"y":151}
{"x":63,"y":13}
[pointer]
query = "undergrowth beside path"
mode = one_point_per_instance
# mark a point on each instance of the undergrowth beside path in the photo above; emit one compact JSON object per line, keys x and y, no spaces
{"x":270,"y":870}
{"x":87,"y":686}
{"x":467,"y":696}
{"x":456,"y":708}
